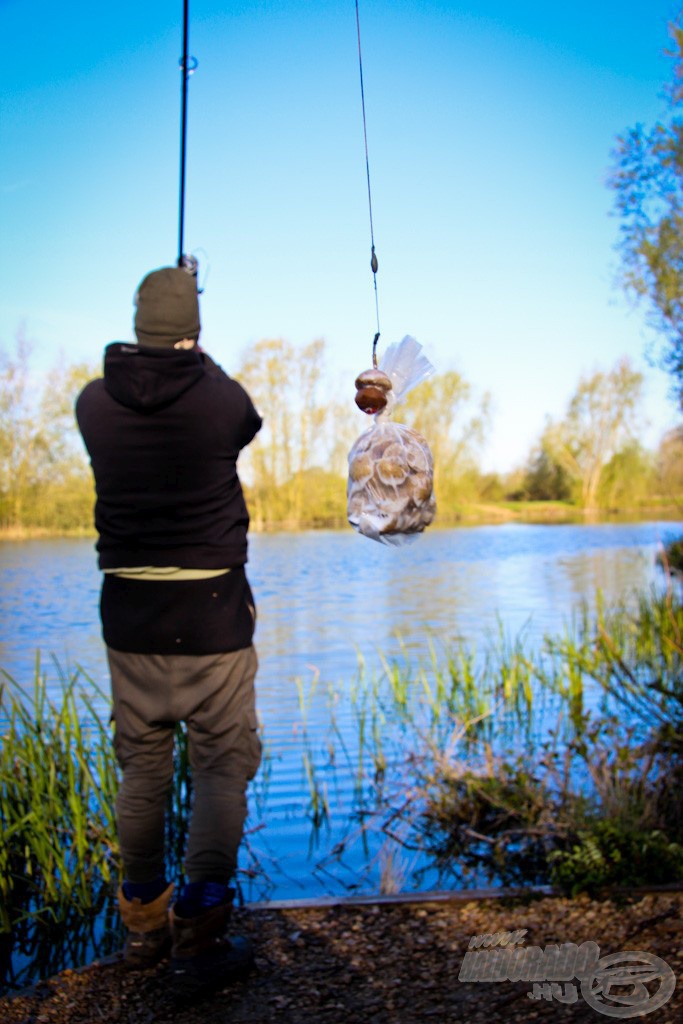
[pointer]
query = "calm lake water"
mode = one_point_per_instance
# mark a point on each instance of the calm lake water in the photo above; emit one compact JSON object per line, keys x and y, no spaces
{"x":324,"y":598}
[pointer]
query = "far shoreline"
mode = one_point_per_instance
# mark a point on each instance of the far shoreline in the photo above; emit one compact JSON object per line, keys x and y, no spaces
{"x":472,"y":514}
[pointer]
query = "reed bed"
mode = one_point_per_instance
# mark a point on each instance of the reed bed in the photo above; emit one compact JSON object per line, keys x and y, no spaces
{"x":515,"y":765}
{"x":59,"y":853}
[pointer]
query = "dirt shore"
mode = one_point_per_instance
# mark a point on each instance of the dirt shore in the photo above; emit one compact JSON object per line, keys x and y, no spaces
{"x":386,"y":963}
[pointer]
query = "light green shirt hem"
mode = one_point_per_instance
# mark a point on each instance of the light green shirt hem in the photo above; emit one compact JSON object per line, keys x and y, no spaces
{"x":164,"y":572}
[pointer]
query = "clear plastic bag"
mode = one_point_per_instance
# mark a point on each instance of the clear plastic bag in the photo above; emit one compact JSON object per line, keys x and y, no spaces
{"x":390,"y":491}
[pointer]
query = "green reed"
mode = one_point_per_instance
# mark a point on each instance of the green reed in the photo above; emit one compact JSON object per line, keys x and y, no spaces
{"x":58,"y":848}
{"x":319,"y":807}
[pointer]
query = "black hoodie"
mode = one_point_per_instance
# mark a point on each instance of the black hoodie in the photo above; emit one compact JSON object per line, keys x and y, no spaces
{"x":163,"y":429}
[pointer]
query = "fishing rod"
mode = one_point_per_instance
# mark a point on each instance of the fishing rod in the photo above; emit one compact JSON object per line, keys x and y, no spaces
{"x":187,"y":66}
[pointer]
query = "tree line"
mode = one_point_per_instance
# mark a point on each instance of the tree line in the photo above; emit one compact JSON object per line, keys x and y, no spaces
{"x":294,"y":473}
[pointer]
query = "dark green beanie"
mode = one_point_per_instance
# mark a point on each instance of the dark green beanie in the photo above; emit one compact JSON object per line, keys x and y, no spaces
{"x":167,"y":307}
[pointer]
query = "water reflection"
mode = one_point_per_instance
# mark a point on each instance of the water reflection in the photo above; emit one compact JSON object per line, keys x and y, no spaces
{"x":324,"y":596}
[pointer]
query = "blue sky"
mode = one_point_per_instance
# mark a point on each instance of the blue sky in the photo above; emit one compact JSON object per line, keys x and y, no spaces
{"x":490,"y":127}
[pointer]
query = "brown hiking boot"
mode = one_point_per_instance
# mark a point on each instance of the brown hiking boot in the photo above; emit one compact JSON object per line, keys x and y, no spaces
{"x":149,"y":929}
{"x":204,"y":957}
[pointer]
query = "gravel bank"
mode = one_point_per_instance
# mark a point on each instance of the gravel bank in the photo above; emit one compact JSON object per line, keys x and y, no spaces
{"x":385,"y":963}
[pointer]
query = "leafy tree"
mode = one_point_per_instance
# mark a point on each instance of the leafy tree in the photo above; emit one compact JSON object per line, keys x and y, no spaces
{"x":601,"y":420}
{"x":286,"y":385}
{"x":647,"y":179}
{"x":627,"y":478}
{"x":443,"y":410}
{"x":545,"y":478}
{"x":44,"y":480}
{"x":490,"y":487}
{"x":669,"y":464}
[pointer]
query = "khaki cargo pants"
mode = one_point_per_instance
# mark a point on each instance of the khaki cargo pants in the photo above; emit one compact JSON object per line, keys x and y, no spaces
{"x":214,"y":695}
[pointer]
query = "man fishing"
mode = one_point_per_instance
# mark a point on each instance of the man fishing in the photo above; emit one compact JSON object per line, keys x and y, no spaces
{"x":163,"y":429}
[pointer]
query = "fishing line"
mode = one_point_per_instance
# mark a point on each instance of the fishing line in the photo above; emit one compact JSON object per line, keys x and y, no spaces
{"x":373,"y":257}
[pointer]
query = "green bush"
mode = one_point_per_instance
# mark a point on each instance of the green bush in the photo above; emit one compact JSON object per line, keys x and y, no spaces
{"x":672,"y":556}
{"x":607,"y":855}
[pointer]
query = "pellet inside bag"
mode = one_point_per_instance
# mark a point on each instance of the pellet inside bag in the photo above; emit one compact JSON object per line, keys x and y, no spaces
{"x":390,"y":492}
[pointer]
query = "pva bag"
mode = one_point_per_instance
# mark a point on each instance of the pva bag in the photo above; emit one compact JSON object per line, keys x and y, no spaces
{"x":390,"y":491}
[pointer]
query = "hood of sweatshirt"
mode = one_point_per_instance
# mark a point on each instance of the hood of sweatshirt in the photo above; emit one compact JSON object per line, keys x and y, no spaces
{"x":150,"y":378}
